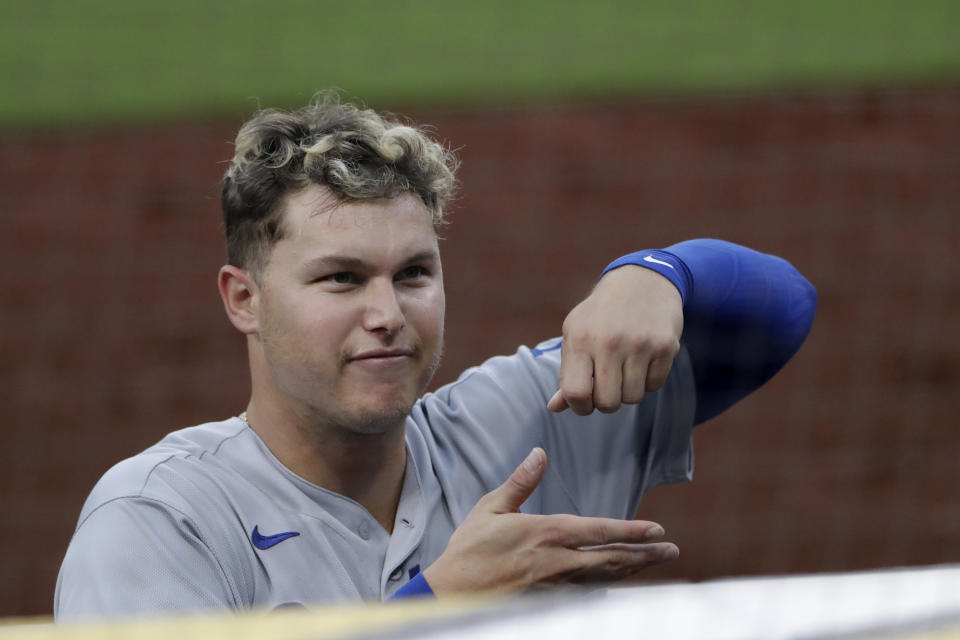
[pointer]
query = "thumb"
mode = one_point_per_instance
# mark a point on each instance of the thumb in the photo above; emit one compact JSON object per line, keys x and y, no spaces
{"x":557,"y":403}
{"x":508,"y":497}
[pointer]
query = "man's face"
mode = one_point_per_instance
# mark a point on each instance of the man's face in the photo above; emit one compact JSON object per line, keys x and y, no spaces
{"x":350,"y":309}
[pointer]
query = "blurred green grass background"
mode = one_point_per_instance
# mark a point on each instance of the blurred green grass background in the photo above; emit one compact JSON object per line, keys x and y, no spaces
{"x":95,"y":61}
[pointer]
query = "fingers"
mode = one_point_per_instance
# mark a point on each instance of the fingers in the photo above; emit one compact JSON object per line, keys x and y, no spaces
{"x":508,"y":497}
{"x":576,"y":381}
{"x":557,"y":403}
{"x":616,"y":562}
{"x":607,"y":384}
{"x":578,"y":532}
{"x":658,"y":370}
{"x":611,"y":384}
{"x":634,"y":379}
{"x":586,"y":383}
{"x":617,"y":549}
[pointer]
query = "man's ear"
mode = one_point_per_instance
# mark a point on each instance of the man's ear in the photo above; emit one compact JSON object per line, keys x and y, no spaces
{"x":239,"y":293}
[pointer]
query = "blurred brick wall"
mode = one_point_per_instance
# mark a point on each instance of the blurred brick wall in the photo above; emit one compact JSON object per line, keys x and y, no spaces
{"x":112,"y":332}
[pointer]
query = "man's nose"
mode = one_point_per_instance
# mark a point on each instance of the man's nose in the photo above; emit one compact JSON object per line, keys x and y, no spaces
{"x":382,"y":310}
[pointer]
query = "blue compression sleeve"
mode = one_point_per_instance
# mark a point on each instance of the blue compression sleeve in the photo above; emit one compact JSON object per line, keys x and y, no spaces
{"x":418,"y":586}
{"x":745,"y":314}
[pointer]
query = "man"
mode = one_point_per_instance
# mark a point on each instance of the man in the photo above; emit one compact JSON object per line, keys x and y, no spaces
{"x":340,"y":482}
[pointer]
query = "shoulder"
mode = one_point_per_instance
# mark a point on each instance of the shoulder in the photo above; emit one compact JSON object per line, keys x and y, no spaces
{"x":166,"y":471}
{"x":505,"y":390}
{"x":528,"y":370}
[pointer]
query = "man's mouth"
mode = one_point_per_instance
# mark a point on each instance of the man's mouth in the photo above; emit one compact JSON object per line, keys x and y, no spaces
{"x":382,"y":356}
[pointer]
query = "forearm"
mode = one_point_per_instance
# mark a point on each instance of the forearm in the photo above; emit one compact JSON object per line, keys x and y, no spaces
{"x":745,"y":314}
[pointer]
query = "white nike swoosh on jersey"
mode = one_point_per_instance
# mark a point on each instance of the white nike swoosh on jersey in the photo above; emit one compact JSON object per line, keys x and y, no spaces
{"x":652,"y":259}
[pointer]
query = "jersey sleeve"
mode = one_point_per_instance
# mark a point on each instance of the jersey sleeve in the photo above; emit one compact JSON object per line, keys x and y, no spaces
{"x":746,"y":313}
{"x":483,"y":425}
{"x":137,"y":556}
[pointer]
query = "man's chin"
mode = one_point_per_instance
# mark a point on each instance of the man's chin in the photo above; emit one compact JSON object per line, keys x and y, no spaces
{"x":383,"y":408}
{"x":380,"y":420}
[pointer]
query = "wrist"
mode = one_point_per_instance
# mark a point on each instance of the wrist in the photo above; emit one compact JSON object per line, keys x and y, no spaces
{"x":628,"y":279}
{"x":434,"y":576}
{"x":662,"y":262}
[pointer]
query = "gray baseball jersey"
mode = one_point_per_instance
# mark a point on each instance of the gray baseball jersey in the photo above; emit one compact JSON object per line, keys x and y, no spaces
{"x":209,"y":518}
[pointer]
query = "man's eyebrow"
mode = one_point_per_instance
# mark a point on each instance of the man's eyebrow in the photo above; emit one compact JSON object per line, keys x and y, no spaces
{"x":358,"y":264}
{"x":338,"y":262}
{"x":423,"y":256}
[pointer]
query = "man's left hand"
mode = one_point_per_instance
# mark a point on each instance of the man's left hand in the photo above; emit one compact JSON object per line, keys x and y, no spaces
{"x":619,"y":342}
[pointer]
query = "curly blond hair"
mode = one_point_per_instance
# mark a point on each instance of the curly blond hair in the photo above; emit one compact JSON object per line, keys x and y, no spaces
{"x":356,"y":153}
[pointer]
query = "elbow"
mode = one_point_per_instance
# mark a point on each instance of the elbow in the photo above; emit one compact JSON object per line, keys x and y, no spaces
{"x":803,"y":311}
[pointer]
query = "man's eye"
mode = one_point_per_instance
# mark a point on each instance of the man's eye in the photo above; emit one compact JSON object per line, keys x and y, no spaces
{"x":342,"y":277}
{"x":411,"y":273}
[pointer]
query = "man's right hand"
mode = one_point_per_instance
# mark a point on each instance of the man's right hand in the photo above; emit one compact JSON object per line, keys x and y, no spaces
{"x":498,"y":550}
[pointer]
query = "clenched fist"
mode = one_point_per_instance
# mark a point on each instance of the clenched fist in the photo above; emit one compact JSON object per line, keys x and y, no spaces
{"x":619,"y":342}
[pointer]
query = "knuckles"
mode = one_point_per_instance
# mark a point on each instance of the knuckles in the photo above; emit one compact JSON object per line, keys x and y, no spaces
{"x":626,"y":340}
{"x":576,"y":395}
{"x":655,"y":346}
{"x":579,"y":399}
{"x":612,"y":343}
{"x":554,"y":531}
{"x":607,"y":406}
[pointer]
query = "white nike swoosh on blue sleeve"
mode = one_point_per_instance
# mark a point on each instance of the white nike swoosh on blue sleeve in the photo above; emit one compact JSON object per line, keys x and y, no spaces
{"x":652,"y":259}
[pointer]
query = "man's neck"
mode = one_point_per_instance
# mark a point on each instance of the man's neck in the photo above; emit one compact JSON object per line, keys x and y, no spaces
{"x":368,"y":469}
